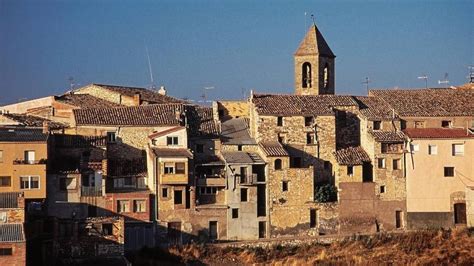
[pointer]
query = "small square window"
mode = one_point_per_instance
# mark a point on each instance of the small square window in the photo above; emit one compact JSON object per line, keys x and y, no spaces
{"x":5,"y":181}
{"x":178,"y":197}
{"x":171,"y":141}
{"x":123,"y":206}
{"x":415,"y":147}
{"x":458,"y":149}
{"x":446,"y":123}
{"x":180,"y":168}
{"x":111,"y":137}
{"x":284,"y":186}
{"x":377,"y":125}
{"x":381,"y":163}
{"x":235,"y":213}
{"x":432,"y":149}
{"x":107,"y":229}
{"x":280,"y":121}
{"x":239,"y":147}
{"x":243,"y":195}
{"x":350,"y":170}
{"x":396,"y":164}
{"x":308,"y":121}
{"x":382,"y":189}
{"x":448,"y":171}
{"x":139,"y":206}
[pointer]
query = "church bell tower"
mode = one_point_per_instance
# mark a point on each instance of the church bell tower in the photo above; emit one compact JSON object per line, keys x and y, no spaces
{"x":314,"y":65}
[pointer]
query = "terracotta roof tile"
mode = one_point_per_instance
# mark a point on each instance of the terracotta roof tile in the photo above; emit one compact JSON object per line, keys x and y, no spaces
{"x":273,"y":149}
{"x":438,"y":133}
{"x":388,"y":136}
{"x":165,"y":132}
{"x":286,"y":105}
{"x":352,"y":156}
{"x":85,"y":101}
{"x":33,"y":121}
{"x":374,"y":108}
{"x":168,"y":152}
{"x":429,"y":102}
{"x":147,"y":95}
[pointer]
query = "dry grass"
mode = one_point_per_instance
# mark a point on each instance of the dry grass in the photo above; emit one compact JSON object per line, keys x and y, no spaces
{"x":444,"y":247}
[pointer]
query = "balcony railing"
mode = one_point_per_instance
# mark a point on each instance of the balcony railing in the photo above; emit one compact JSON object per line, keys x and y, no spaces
{"x":91,"y":191}
{"x":216,"y":180}
{"x":18,"y":161}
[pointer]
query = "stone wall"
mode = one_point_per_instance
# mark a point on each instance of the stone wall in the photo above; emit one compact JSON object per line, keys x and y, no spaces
{"x":347,"y":127}
{"x":435,"y":122}
{"x":18,"y":257}
{"x":101,"y":93}
{"x":232,"y":109}
{"x":132,"y":215}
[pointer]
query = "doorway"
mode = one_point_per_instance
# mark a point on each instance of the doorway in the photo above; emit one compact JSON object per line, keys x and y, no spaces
{"x":262,"y":229}
{"x":174,"y":233}
{"x":213,"y":230}
{"x":460,"y":213}
{"x":398,"y":219}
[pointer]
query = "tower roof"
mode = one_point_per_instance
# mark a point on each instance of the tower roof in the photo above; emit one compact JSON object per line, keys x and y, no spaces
{"x":314,"y":43}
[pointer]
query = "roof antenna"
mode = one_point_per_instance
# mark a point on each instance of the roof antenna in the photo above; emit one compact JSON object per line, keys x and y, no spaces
{"x":425,"y":77}
{"x":71,"y":83}
{"x":445,"y":81}
{"x":312,"y":17}
{"x":366,"y":82}
{"x":471,"y":74}
{"x":149,"y":67}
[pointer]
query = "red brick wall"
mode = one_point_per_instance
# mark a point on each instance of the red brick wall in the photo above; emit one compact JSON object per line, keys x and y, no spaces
{"x":19,"y":254}
{"x":131,"y":215}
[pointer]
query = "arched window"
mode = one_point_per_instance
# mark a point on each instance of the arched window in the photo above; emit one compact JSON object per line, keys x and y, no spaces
{"x":306,"y":75}
{"x":326,"y":76}
{"x":277,"y":164}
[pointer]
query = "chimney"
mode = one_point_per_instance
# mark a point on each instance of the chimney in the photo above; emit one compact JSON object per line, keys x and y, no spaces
{"x":136,"y":99}
{"x":45,"y":127}
{"x":162,"y":90}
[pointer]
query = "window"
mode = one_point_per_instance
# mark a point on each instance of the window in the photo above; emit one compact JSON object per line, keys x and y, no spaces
{"x":308,"y":121}
{"x":178,"y":197}
{"x":396,"y":164}
{"x":295,"y":162}
{"x":403,"y":124}
{"x":239,"y":147}
{"x":235,"y":213}
{"x":180,"y":168}
{"x":139,"y":206}
{"x":313,"y":218}
{"x":207,"y":190}
{"x":169,"y":168}
{"x":281,"y":138}
{"x":5,"y":181}
{"x":164,"y":192}
{"x":415,"y":147}
{"x":306,"y":75}
{"x":350,"y":170}
{"x":280,"y":121}
{"x":243,"y":195}
{"x":171,"y":141}
{"x":199,"y":148}
{"x":382,"y":189}
{"x":419,"y":124}
{"x":111,"y":137}
{"x":243,"y":174}
{"x":67,"y":183}
{"x":277,"y":164}
{"x":445,"y":123}
{"x":448,"y":171}
{"x":6,"y":251}
{"x":1,"y":156}
{"x":381,"y":163}
{"x":458,"y":149}
{"x":30,"y":157}
{"x":284,"y":186}
{"x":391,"y":147}
{"x":310,"y":138}
{"x":29,"y":182}
{"x":122,"y":206}
{"x":107,"y":229}
{"x":432,"y":149}
{"x":377,"y":125}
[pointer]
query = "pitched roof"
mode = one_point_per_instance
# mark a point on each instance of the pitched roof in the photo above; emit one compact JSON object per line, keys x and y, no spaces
{"x":147,"y":95}
{"x":438,"y":133}
{"x":33,"y":121}
{"x":85,"y":101}
{"x":235,"y":131}
{"x":388,"y":136}
{"x":157,"y":114}
{"x":281,"y":104}
{"x":12,"y":233}
{"x":165,"y":132}
{"x":168,"y":152}
{"x":351,"y":156}
{"x":374,"y":108}
{"x":429,"y":102}
{"x":201,"y":121}
{"x":314,"y":43}
{"x":22,"y":135}
{"x":273,"y":149}
{"x":241,"y":157}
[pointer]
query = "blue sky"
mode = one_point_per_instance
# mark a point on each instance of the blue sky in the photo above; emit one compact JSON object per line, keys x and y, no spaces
{"x":230,"y":45}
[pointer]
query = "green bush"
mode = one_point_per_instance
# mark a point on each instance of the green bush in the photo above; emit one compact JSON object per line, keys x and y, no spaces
{"x":326,"y":193}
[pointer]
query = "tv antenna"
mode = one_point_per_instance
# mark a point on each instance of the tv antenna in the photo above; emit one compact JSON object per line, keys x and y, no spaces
{"x":424,"y":77}
{"x":204,"y":94}
{"x":71,"y":83}
{"x":445,"y":80}
{"x":149,"y":67}
{"x":471,"y":74}
{"x":366,"y":82}
{"x":312,"y":18}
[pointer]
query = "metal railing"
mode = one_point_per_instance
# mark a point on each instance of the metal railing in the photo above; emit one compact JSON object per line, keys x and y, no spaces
{"x":91,"y":191}
{"x":9,"y":199}
{"x":18,"y":161}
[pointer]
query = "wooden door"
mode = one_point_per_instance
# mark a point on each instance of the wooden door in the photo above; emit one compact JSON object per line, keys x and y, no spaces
{"x":460,"y":213}
{"x":213,"y":230}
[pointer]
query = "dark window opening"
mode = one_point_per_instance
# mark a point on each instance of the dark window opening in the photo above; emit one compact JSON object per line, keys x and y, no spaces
{"x":111,"y":137}
{"x":309,"y":138}
{"x":284,"y":186}
{"x":295,"y":162}
{"x":213,"y":230}
{"x":398,"y":219}
{"x":107,"y":229}
{"x":281,"y":138}
{"x":235,"y":213}
{"x":377,"y":125}
{"x":445,"y":123}
{"x":403,"y":124}
{"x":313,"y":218}
{"x":239,"y":147}
{"x":6,"y":251}
{"x":277,"y":164}
{"x":188,"y":198}
{"x":178,"y":197}
{"x":448,"y":171}
{"x":164,"y":192}
{"x":460,"y":213}
{"x":382,"y":189}
{"x":306,"y":75}
{"x":262,"y":232}
{"x":243,"y":195}
{"x":280,"y":121}
{"x":350,"y":170}
{"x":261,"y":201}
{"x":308,"y":121}
{"x":243,"y":175}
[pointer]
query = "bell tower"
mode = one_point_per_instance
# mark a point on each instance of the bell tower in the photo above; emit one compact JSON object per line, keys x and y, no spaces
{"x":314,"y":65}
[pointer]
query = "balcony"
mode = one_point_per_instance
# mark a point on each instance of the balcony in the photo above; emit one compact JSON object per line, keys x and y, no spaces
{"x":91,"y":191}
{"x":173,"y":179}
{"x":248,"y":180}
{"x":211,"y":181}
{"x":29,"y":162}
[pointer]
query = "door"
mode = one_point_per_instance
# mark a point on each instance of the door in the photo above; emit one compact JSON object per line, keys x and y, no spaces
{"x":213,"y":230}
{"x":174,"y":233}
{"x":262,"y":229}
{"x":460,"y":213}
{"x":367,"y":172}
{"x":398,"y":219}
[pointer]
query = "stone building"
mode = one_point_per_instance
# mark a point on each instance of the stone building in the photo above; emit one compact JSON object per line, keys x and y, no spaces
{"x":12,"y":235}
